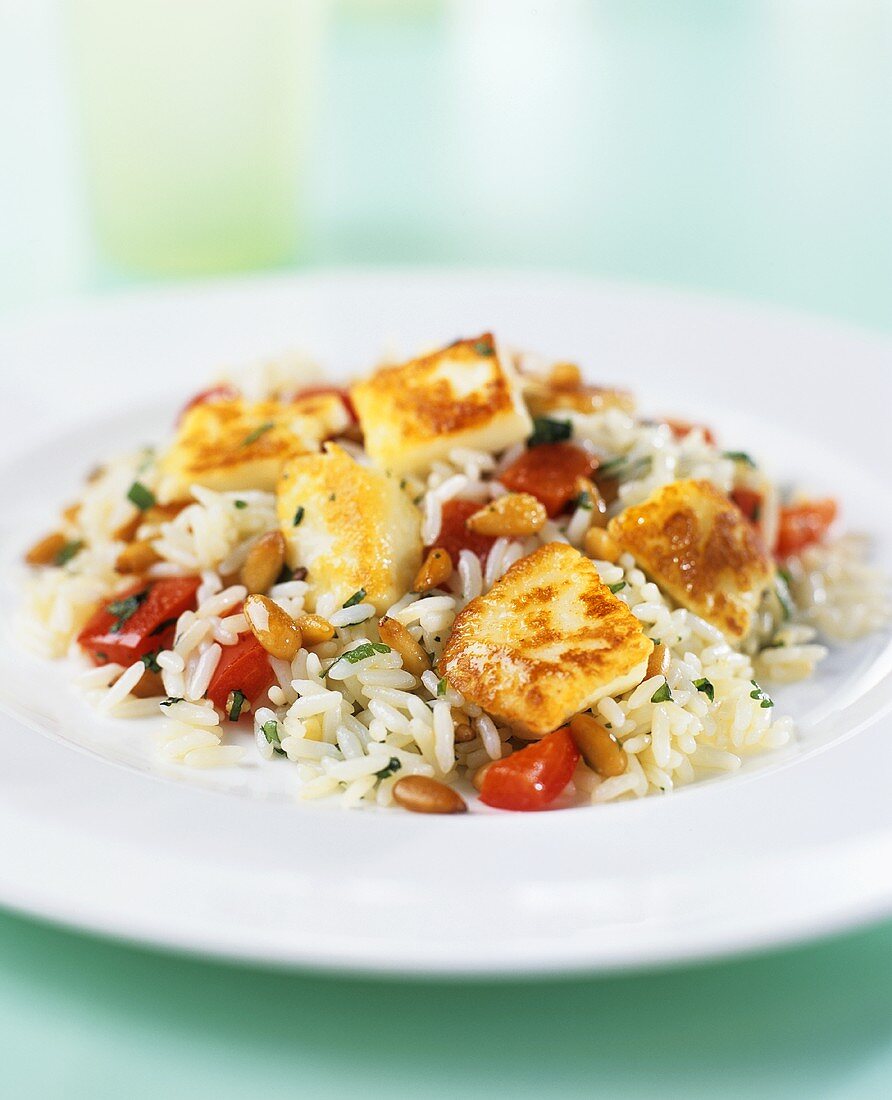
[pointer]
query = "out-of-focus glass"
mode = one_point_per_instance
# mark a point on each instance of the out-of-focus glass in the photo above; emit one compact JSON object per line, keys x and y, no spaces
{"x":194,"y":116}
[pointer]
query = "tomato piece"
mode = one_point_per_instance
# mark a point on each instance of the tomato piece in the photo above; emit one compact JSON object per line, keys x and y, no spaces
{"x":454,"y":534}
{"x":749,"y":502}
{"x":534,"y":777}
{"x":243,"y":667}
{"x":316,"y":391}
{"x":550,"y":473}
{"x":138,"y":620}
{"x":223,"y":392}
{"x":681,"y":428}
{"x":801,"y":525}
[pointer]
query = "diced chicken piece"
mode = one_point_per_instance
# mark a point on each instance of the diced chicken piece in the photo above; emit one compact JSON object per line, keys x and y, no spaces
{"x":698,"y":547}
{"x":234,"y":445}
{"x":546,"y":642}
{"x":466,"y":395}
{"x":350,"y":527}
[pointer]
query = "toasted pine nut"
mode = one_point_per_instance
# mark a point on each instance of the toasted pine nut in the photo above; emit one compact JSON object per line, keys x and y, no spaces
{"x":423,"y":795}
{"x":127,"y":531}
{"x":463,"y":733}
{"x":479,"y":775}
{"x":44,"y":551}
{"x":150,"y":684}
{"x":565,"y":376}
{"x":394,"y":634}
{"x":314,"y":629}
{"x":513,"y":515}
{"x":276,"y":631}
{"x":136,"y":557}
{"x":163,"y":513}
{"x":435,"y":570}
{"x":264,"y":562}
{"x":71,"y":512}
{"x":598,"y":514}
{"x":600,"y":749}
{"x":598,"y":544}
{"x":658,"y":662}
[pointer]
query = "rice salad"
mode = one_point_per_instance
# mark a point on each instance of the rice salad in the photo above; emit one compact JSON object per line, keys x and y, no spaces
{"x":470,"y":578}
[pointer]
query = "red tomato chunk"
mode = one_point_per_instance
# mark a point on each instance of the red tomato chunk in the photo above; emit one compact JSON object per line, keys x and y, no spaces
{"x":550,"y":473}
{"x":243,"y":667}
{"x":801,"y":525}
{"x":532,"y":778}
{"x":316,"y":391}
{"x":454,"y":534}
{"x":139,"y":620}
{"x":223,"y":392}
{"x":749,"y":502}
{"x":681,"y":428}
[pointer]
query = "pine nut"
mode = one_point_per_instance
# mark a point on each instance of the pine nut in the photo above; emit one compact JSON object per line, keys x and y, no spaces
{"x":423,"y":795}
{"x":479,"y":775}
{"x":598,"y":544}
{"x":127,"y":531}
{"x":44,"y":551}
{"x":71,"y":512}
{"x":394,"y":634}
{"x":600,"y":749}
{"x":136,"y":557}
{"x":565,"y":376}
{"x":150,"y":684}
{"x":314,"y":629}
{"x":513,"y":515}
{"x":264,"y":562}
{"x":163,"y":513}
{"x":658,"y":662}
{"x":598,"y":514}
{"x":435,"y":570}
{"x":276,"y":631}
{"x":463,"y":733}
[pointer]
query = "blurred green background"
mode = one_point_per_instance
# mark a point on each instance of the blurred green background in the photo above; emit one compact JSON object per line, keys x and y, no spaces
{"x":743,"y":148}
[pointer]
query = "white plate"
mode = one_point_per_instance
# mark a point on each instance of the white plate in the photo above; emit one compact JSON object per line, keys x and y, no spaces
{"x":229,"y":864}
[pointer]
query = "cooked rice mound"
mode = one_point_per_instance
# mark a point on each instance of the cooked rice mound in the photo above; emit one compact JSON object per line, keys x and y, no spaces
{"x":345,"y":713}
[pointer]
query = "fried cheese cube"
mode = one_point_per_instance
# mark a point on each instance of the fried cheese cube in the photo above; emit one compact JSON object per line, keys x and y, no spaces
{"x":350,"y":527}
{"x":547,"y":641}
{"x":465,"y":395}
{"x":700,"y":549}
{"x":233,"y":445}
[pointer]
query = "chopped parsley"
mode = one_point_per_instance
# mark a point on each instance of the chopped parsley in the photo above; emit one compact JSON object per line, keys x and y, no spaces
{"x":624,"y":468}
{"x":782,"y":590}
{"x":662,"y":694}
{"x":150,"y":660}
{"x":441,"y":687}
{"x":235,"y":704}
{"x":392,"y":765}
{"x":125,"y":609}
{"x":298,"y":516}
{"x":68,"y":551}
{"x":139,"y":495}
{"x":484,"y":347}
{"x":356,"y":598}
{"x":584,"y":500}
{"x":759,"y":694}
{"x":706,"y":687}
{"x":354,"y":656}
{"x":618,"y":587}
{"x":546,"y":430}
{"x":270,"y":731}
{"x":786,"y":575}
{"x":171,"y":699}
{"x":240,"y":503}
{"x":262,"y":429}
{"x":741,"y":457}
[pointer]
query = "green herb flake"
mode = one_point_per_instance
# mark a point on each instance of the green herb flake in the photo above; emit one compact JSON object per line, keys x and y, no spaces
{"x":392,"y":765}
{"x":240,"y":503}
{"x":740,"y":456}
{"x":757,"y":693}
{"x":298,"y":516}
{"x":356,"y":598}
{"x":139,"y":495}
{"x":484,"y":347}
{"x":441,"y":687}
{"x":68,"y":551}
{"x":584,"y":500}
{"x":784,"y":598}
{"x":367,"y":649}
{"x":270,"y":731}
{"x":662,"y":694}
{"x":171,"y":699}
{"x":125,"y":609}
{"x":623,"y":468}
{"x":150,"y":660}
{"x":618,"y":587}
{"x":262,"y":429}
{"x":235,"y":704}
{"x":546,"y":430}
{"x":706,"y":687}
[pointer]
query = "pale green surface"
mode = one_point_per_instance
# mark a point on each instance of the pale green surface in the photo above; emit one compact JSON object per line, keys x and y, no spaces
{"x":737,"y":147}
